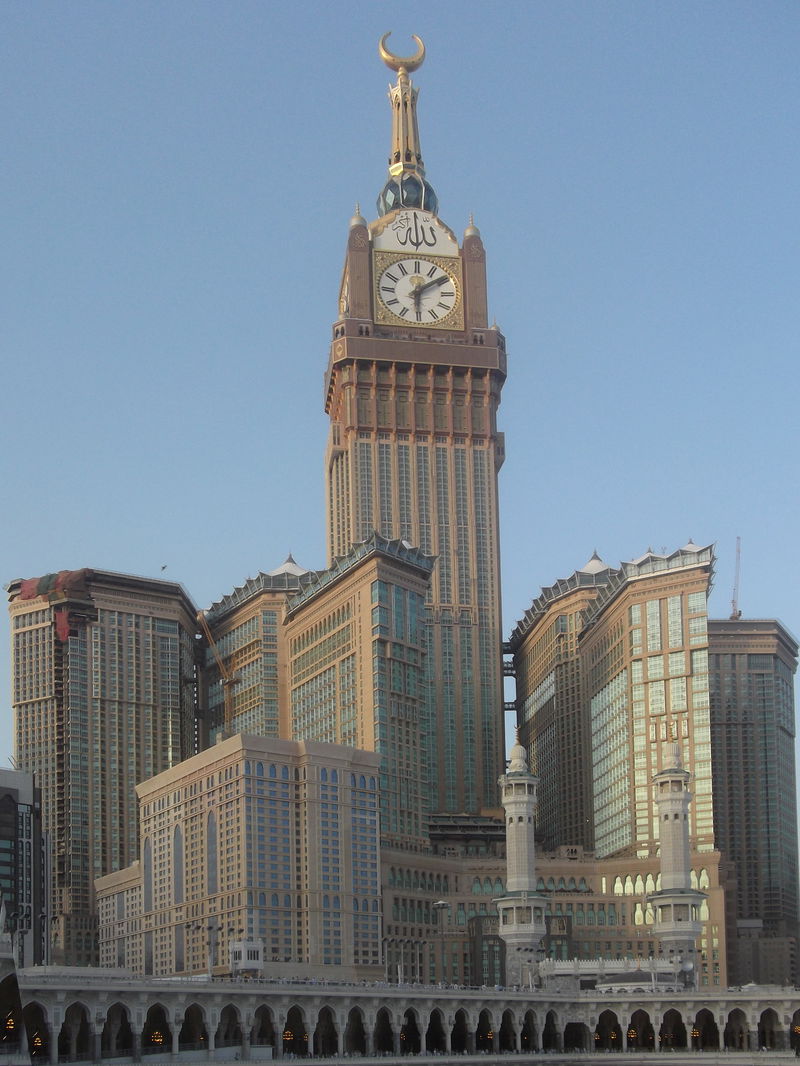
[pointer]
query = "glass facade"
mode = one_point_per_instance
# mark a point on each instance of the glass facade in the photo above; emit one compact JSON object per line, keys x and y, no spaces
{"x":751,"y":668}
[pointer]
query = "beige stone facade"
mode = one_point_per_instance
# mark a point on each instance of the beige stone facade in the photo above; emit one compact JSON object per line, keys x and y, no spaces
{"x":247,"y":629}
{"x":258,"y":855}
{"x":356,"y":670}
{"x":412,"y":390}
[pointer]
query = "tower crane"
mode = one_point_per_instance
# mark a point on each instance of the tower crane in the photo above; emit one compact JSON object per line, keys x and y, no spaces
{"x":735,"y":612}
{"x":227,"y":676}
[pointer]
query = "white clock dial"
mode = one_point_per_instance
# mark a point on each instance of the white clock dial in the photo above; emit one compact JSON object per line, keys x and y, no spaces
{"x":417,"y":290}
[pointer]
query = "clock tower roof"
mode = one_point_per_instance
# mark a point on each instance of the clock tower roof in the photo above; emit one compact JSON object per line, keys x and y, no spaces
{"x":406,"y":185}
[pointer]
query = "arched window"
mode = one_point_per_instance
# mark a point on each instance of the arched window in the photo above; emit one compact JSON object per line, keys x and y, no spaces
{"x":259,"y":769}
{"x":284,"y":773}
{"x":211,"y":853}
{"x":362,"y":781}
{"x":147,"y":874}
{"x":323,"y":774}
{"x":334,"y":777}
{"x":274,"y":899}
{"x":177,"y":864}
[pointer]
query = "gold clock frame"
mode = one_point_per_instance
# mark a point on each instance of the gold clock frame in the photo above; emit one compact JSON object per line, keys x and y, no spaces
{"x":450,"y":264}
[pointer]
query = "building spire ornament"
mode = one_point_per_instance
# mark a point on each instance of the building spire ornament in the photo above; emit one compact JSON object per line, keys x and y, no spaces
{"x":406,"y":185}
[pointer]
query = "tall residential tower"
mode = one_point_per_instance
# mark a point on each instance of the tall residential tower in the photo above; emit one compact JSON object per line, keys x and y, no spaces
{"x":752,"y":663}
{"x":103,"y":697}
{"x":412,"y":390}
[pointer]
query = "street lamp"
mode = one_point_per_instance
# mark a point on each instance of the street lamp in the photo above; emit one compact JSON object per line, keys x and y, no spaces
{"x":441,"y":905}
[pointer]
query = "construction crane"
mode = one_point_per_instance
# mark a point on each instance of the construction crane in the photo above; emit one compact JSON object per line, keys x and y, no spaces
{"x":735,"y":612}
{"x":227,"y":677}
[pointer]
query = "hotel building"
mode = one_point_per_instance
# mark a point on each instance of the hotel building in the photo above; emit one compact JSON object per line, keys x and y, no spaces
{"x":103,"y":697}
{"x":258,"y":855}
{"x":412,"y":390}
{"x":752,"y":663}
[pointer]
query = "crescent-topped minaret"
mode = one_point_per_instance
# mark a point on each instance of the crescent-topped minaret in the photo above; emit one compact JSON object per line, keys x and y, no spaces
{"x":406,"y":185}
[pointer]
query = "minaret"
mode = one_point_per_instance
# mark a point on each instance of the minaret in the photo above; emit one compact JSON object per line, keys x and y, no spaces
{"x":676,"y":904}
{"x":412,"y":390}
{"x":521,"y":911}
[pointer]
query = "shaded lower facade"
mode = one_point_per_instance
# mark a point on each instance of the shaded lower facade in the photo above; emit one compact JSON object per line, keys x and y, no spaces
{"x":69,"y":1019}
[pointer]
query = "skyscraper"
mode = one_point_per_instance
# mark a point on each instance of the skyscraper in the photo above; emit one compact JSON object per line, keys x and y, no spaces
{"x":247,"y":631}
{"x":552,"y":719}
{"x":356,"y":671}
{"x":612,"y":669}
{"x":412,"y":390}
{"x":752,"y":663}
{"x":644,"y":655}
{"x":23,"y":867}
{"x":256,"y":847}
{"x":103,"y":698}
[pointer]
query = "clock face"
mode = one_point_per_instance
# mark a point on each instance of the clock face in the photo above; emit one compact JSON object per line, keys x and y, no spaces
{"x":418,"y":290}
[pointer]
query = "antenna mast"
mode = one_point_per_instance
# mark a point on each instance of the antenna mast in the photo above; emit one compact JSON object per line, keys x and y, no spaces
{"x":735,"y":612}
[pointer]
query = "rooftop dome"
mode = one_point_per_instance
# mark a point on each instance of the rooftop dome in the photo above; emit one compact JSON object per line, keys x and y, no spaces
{"x":288,"y":567}
{"x":594,"y":566}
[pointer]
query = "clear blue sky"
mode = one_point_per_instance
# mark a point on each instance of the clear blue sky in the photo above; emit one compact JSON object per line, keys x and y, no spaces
{"x":176,"y":187}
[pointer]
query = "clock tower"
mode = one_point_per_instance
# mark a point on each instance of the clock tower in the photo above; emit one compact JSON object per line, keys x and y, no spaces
{"x":412,"y":390}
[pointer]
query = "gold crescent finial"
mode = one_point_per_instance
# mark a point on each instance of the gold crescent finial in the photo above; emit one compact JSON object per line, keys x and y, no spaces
{"x":398,"y":63}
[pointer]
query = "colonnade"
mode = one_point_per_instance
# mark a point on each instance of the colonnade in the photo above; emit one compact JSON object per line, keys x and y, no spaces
{"x":258,"y":1020}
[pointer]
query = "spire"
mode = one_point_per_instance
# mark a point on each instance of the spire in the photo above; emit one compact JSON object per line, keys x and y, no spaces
{"x":406,"y":185}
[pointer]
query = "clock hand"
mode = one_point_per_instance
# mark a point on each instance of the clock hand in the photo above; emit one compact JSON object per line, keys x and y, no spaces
{"x":416,"y":288}
{"x":429,"y":284}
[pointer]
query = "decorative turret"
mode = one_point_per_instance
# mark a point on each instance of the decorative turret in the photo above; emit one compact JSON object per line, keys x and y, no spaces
{"x":521,"y":911}
{"x":676,"y":904}
{"x":406,"y":186}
